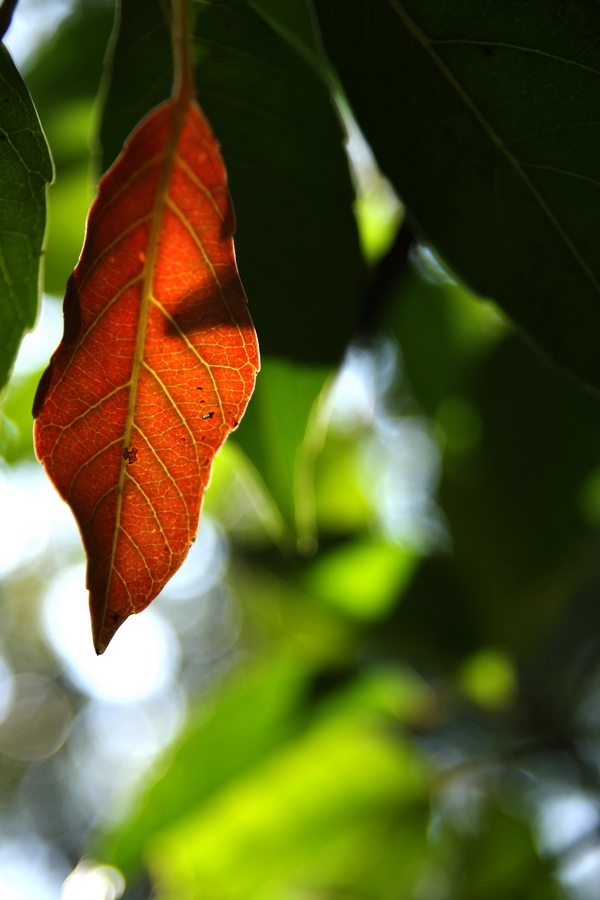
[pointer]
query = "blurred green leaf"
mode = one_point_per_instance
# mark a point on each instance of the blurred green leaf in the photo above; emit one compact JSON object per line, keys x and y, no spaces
{"x":25,"y":172}
{"x":437,"y":623}
{"x":362,"y":578}
{"x":67,"y":66}
{"x":444,"y":333}
{"x":487,"y":124}
{"x":488,"y":678}
{"x":499,"y":859}
{"x":16,"y":431}
{"x":70,"y":198}
{"x":246,"y":720}
{"x":317,"y":814}
{"x":520,"y":442}
{"x":280,"y":436}
{"x":342,"y":504}
{"x":395,"y":692}
{"x":513,"y":506}
{"x":63,"y":79}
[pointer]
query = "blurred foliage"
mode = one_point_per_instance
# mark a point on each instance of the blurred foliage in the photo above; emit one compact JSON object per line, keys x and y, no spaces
{"x":386,"y":680}
{"x":64,"y":77}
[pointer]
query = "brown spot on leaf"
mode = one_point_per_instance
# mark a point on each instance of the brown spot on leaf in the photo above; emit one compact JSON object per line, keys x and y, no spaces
{"x":130,"y":455}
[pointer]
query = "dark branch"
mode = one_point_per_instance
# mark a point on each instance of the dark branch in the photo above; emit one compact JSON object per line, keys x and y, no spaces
{"x":391,"y":269}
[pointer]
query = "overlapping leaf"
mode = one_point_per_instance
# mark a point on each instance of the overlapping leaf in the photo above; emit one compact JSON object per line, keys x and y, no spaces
{"x":25,"y":170}
{"x":485,"y":117}
{"x":157,"y":362}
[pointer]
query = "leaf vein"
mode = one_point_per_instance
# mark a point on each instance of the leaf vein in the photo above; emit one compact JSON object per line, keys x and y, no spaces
{"x":426,"y":44}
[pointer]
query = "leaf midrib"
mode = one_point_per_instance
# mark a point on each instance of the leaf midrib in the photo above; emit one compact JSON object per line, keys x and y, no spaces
{"x":178,"y":113}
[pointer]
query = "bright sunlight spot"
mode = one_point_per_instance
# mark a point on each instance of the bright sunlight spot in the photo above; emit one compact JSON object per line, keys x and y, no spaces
{"x":38,"y":345}
{"x":33,"y":22}
{"x":141,"y":659}
{"x":29,"y":870}
{"x":38,"y":518}
{"x":89,"y":881}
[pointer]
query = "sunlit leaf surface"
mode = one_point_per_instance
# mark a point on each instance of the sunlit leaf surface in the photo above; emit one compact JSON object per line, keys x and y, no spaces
{"x":156,"y":365}
{"x":282,"y":143}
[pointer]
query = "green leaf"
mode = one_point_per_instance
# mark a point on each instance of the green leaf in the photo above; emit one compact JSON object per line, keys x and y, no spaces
{"x":280,"y":435}
{"x":444,"y":332}
{"x":513,"y":505}
{"x":139,"y":74}
{"x":484,"y":872}
{"x":16,"y":435}
{"x":318,"y":816}
{"x":63,"y":80}
{"x":486,"y":120}
{"x":363,"y":578}
{"x":25,"y":171}
{"x":296,"y":242}
{"x":295,"y":20}
{"x":251,"y":715}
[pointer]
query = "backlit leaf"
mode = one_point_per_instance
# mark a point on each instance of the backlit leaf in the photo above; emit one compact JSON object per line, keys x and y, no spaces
{"x":156,"y":365}
{"x":282,"y":142}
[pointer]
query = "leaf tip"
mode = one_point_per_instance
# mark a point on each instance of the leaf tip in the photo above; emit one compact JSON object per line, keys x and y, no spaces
{"x":104,"y":630}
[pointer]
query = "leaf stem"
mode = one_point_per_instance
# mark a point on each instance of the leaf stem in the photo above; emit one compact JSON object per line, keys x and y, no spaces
{"x":183,"y":78}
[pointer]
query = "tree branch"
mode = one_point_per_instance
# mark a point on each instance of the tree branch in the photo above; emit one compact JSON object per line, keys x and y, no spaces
{"x":391,"y":269}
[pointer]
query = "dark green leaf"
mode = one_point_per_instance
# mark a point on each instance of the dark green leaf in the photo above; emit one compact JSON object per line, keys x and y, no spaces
{"x":139,"y":74}
{"x":520,"y":443}
{"x":487,"y":121}
{"x":25,"y":170}
{"x":295,"y":20}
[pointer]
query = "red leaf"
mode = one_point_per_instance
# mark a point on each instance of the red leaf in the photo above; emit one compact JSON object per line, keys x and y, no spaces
{"x":156,"y":365}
